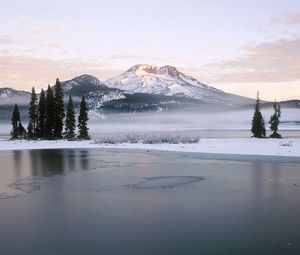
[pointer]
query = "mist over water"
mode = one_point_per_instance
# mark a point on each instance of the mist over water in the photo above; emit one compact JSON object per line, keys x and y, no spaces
{"x":236,"y":123}
{"x":204,"y":124}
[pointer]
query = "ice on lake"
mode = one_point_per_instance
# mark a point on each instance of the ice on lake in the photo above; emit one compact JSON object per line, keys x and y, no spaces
{"x":27,"y":185}
{"x":165,"y":182}
{"x":168,"y":208}
{"x":6,"y":195}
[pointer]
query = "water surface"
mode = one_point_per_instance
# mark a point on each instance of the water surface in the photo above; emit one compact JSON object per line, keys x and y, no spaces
{"x":87,"y":204}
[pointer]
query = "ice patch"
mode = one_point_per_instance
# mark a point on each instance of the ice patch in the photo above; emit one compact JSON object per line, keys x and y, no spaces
{"x":7,"y":195}
{"x":27,"y":185}
{"x":165,"y":182}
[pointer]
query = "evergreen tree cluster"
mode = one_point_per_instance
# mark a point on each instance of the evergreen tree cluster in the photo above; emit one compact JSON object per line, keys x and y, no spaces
{"x":47,"y":118}
{"x":258,"y":124}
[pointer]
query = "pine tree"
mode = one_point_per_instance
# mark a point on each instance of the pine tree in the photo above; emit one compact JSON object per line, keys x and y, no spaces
{"x":50,"y":115}
{"x":82,"y":120}
{"x":70,"y":124}
{"x":18,"y":131}
{"x":274,"y":121}
{"x":30,"y":131}
{"x":15,"y":121}
{"x":33,"y":116}
{"x":258,"y":124}
{"x":59,"y":109}
{"x":41,"y":115}
{"x":22,"y":131}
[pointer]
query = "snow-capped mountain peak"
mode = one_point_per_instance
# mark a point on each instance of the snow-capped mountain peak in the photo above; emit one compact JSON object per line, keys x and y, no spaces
{"x":82,"y":84}
{"x":81,"y":80}
{"x":86,"y":78}
{"x":169,"y":71}
{"x":143,"y":69}
{"x":169,"y":81}
{"x":165,"y":80}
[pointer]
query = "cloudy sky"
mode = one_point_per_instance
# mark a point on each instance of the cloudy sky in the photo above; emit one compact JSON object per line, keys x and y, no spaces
{"x":238,"y":46}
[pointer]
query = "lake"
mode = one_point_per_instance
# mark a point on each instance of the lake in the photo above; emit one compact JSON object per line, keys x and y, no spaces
{"x":98,"y":201}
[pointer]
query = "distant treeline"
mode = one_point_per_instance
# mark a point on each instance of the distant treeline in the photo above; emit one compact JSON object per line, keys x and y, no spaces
{"x":48,"y":119}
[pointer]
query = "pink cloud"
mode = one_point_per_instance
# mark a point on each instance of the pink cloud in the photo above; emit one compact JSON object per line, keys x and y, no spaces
{"x":287,"y":19}
{"x":24,"y":72}
{"x":277,"y":61}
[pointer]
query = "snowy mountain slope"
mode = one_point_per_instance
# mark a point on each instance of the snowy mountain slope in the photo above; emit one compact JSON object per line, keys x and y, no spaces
{"x":10,"y":96}
{"x":167,"y":80}
{"x":145,"y":102}
{"x":83,"y":84}
{"x":77,"y":87}
{"x":96,"y":99}
{"x":95,"y":91}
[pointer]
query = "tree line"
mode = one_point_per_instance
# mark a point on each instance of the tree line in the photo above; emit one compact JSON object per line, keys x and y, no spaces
{"x":258,"y":124}
{"x":48,"y":119}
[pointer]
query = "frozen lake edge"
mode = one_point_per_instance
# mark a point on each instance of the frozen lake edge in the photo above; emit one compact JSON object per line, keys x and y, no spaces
{"x":287,"y":147}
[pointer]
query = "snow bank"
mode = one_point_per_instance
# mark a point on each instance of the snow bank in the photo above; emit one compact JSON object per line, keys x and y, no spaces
{"x":148,"y":139}
{"x":44,"y":144}
{"x":239,"y":146}
{"x":242,"y":146}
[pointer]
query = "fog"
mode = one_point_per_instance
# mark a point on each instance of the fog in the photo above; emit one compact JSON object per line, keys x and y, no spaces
{"x":213,"y":124}
{"x":236,"y":123}
{"x":176,"y":121}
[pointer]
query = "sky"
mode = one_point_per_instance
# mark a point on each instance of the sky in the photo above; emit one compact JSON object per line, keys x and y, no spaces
{"x":237,"y":46}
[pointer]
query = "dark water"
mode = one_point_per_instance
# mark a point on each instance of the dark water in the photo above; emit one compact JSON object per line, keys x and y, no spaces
{"x":87,"y":203}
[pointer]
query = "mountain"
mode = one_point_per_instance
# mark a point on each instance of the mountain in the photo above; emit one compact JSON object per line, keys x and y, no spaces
{"x":142,"y":88}
{"x":82,"y":85}
{"x":143,"y":102}
{"x":10,"y":96}
{"x":95,"y":91}
{"x":77,"y":87}
{"x":284,"y":104}
{"x":168,"y":81}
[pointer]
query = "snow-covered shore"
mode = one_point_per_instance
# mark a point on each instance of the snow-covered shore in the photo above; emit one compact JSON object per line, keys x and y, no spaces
{"x":243,"y":146}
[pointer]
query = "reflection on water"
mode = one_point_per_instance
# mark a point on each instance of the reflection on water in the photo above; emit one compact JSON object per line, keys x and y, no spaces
{"x":17,"y":165}
{"x":269,"y":187}
{"x":258,"y":184}
{"x":84,"y":159}
{"x":47,"y":162}
{"x":242,"y":205}
{"x":266,"y":180}
{"x":53,"y":162}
